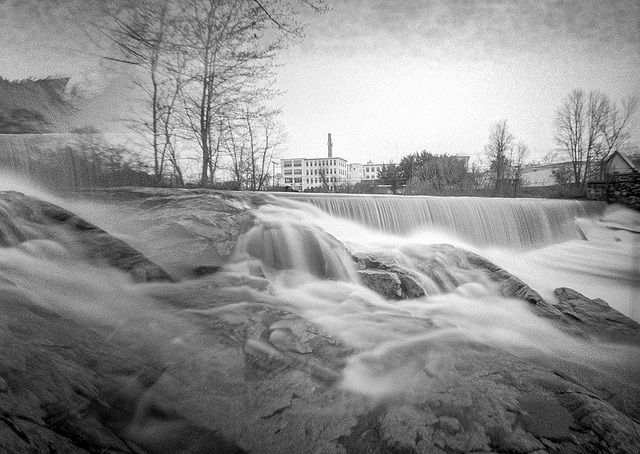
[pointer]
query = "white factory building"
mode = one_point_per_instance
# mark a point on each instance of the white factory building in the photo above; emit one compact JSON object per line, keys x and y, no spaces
{"x":328,"y":172}
{"x":304,"y":173}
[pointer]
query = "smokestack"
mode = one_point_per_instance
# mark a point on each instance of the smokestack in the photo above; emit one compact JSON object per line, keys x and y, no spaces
{"x":330,"y":146}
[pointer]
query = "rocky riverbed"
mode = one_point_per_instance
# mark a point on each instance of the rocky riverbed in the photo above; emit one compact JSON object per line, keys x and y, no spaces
{"x":157,"y":343}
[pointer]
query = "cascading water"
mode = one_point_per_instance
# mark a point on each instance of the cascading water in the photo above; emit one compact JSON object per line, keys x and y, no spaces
{"x":282,"y":244}
{"x":512,"y":223}
{"x":282,"y":287}
{"x":538,"y":240}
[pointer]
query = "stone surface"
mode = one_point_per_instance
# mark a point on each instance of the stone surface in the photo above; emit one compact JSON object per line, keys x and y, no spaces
{"x":24,"y":219}
{"x":386,"y":283}
{"x":624,"y":189}
{"x":595,"y":319}
{"x":188,"y":233}
{"x":446,"y":268}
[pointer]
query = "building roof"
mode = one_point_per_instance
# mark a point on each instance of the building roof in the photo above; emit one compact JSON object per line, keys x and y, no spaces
{"x":624,"y":157}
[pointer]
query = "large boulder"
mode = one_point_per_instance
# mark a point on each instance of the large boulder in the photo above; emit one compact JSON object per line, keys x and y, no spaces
{"x":189,"y":233}
{"x":595,"y":319}
{"x":443,"y":268}
{"x":26,"y":221}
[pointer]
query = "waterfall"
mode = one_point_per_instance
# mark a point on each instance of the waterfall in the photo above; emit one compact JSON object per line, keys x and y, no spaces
{"x":286,"y":247}
{"x":513,"y":223}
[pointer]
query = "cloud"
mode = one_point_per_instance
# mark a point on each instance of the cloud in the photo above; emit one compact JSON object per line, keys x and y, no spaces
{"x":493,"y":26}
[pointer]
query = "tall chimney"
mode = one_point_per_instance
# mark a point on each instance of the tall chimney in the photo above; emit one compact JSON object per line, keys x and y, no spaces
{"x":330,"y":146}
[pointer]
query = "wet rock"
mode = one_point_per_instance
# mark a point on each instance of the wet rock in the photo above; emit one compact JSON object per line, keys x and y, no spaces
{"x":50,"y":368}
{"x":512,"y":286}
{"x":595,"y":318}
{"x":387,"y":277}
{"x":68,"y":387}
{"x":386,"y":283}
{"x":27,"y":219}
{"x":410,"y":286}
{"x":445,"y":268}
{"x":188,"y":233}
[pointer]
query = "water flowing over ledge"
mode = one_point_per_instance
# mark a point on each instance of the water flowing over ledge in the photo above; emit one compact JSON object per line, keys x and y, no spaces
{"x":512,"y":223}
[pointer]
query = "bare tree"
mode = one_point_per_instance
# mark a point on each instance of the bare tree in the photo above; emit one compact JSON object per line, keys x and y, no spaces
{"x":230,"y":47}
{"x":144,"y":32}
{"x":550,"y":157}
{"x":597,"y":107}
{"x":616,"y":126}
{"x":517,"y":159}
{"x":569,"y":124}
{"x":617,"y":123}
{"x":579,"y":125}
{"x":168,"y":115}
{"x":497,"y":151}
{"x":230,"y":58}
{"x":265,"y":137}
{"x":251,"y":142}
{"x":234,"y":144}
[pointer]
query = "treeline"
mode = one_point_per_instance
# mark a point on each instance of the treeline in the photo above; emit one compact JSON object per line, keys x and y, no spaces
{"x":441,"y":174}
{"x":427,"y":173}
{"x":589,"y":127}
{"x":504,"y":158}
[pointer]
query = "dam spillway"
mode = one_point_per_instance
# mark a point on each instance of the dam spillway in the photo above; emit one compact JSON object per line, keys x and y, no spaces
{"x":510,"y":223}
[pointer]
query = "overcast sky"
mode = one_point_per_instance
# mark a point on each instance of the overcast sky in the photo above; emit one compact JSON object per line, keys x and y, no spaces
{"x":389,"y":78}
